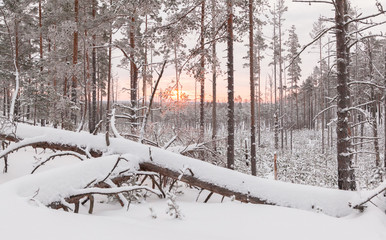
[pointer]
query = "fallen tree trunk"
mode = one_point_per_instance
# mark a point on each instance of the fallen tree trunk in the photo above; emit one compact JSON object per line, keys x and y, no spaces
{"x":144,"y":166}
{"x":194,"y":181}
{"x":194,"y":172}
{"x":41,"y":143}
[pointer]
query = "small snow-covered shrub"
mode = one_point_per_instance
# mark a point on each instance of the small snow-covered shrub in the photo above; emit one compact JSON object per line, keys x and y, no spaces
{"x":173,"y":209}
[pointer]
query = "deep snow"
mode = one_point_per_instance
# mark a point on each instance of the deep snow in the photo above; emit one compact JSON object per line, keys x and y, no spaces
{"x":23,"y":218}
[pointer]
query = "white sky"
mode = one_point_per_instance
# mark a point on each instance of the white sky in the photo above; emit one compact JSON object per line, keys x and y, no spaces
{"x":302,"y":15}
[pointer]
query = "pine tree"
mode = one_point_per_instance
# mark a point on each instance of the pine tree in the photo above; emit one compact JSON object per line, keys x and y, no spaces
{"x":294,"y":70}
{"x":202,"y":70}
{"x":231,"y":105}
{"x":346,"y":177}
{"x":318,"y":27}
{"x":252,"y":88}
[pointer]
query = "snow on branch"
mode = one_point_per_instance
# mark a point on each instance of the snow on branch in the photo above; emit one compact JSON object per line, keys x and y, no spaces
{"x":109,"y":191}
{"x":364,"y":29}
{"x":359,"y":152}
{"x":144,"y":122}
{"x":134,"y":109}
{"x":365,"y":83}
{"x":60,"y":154}
{"x":357,"y":109}
{"x":313,"y":1}
{"x":112,"y":124}
{"x":181,"y":17}
{"x":363,"y":137}
{"x":365,"y":17}
{"x":59,"y":188}
{"x":324,"y":110}
{"x":360,"y":143}
{"x":316,"y":38}
{"x":174,"y":138}
{"x":360,"y":123}
{"x":376,"y":192}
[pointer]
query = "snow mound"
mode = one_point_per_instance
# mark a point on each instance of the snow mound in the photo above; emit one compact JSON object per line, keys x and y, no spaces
{"x":57,"y":184}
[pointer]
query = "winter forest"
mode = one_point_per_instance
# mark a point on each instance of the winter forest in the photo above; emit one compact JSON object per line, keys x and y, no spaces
{"x":193,"y":119}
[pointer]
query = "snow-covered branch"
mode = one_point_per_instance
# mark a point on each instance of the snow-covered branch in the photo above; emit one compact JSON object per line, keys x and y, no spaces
{"x":365,"y":83}
{"x":323,"y":111}
{"x":144,"y":122}
{"x":60,"y":154}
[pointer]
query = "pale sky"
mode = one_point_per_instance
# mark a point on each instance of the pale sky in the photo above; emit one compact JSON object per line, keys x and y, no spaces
{"x":302,"y":15}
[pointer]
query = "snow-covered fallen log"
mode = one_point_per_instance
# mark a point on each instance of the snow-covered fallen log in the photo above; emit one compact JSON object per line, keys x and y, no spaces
{"x":61,"y":187}
{"x":219,"y":180}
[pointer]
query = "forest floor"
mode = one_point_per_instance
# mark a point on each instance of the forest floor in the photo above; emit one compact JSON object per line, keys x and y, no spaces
{"x":22,"y":218}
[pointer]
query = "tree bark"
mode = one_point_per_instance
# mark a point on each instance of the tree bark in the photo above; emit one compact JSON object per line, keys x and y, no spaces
{"x":259,"y":96}
{"x":231,"y":104}
{"x":40,"y":36}
{"x":75,"y":60}
{"x":214,"y":78}
{"x":133,"y":69}
{"x":276,"y":125}
{"x":346,"y":177}
{"x":321,"y":92}
{"x":12,"y":110}
{"x":109,"y":82}
{"x":195,"y":181}
{"x":373,"y":109}
{"x":202,"y":71}
{"x":281,"y":86}
{"x":275,"y":63}
{"x":252,"y":90}
{"x":144,"y":74}
{"x":384,"y":110}
{"x":94,"y":87}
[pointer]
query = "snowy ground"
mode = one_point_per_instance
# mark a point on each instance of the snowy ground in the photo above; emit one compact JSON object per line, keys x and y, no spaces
{"x":22,"y":218}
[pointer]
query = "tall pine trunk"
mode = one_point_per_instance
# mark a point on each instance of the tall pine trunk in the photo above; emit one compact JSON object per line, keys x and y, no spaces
{"x":109,"y":83}
{"x":384,"y":110}
{"x":275,"y":78}
{"x":13,"y":109}
{"x":144,"y":74}
{"x":346,"y":177}
{"x":259,"y":92}
{"x":133,"y":70}
{"x":231,"y":104}
{"x":281,"y":86}
{"x":252,"y":90}
{"x":214,"y":77}
{"x":94,"y":87}
{"x":202,"y":71}
{"x":40,"y":36}
{"x":75,"y":61}
{"x":321,"y":92}
{"x":373,"y":109}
